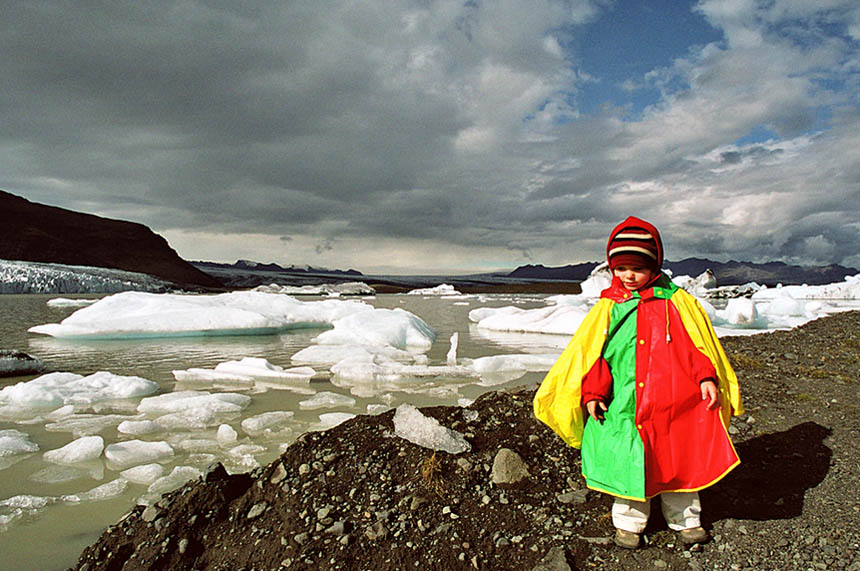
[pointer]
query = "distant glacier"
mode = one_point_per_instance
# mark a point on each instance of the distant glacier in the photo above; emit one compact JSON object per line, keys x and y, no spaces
{"x":37,"y":277}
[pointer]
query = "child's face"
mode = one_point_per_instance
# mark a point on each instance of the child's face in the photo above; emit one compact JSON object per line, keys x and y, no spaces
{"x":633,"y":277}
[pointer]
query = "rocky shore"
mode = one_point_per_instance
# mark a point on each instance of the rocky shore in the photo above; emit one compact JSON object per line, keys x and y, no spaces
{"x":359,"y":497}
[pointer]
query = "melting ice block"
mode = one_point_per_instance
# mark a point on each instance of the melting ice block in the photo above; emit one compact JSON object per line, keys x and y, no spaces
{"x":381,"y":327}
{"x":14,"y":442}
{"x":410,"y":424}
{"x":561,"y":319}
{"x":56,"y":389}
{"x":326,"y":399}
{"x":122,"y":455}
{"x":142,"y":315}
{"x":257,"y":424}
{"x":143,"y":474}
{"x":83,"y":449}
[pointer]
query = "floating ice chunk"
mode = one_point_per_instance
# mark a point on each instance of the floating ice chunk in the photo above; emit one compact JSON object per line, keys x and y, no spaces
{"x":58,"y":475}
{"x":334,"y":290}
{"x":498,"y":369}
{"x":144,"y":474}
{"x":83,"y":449}
{"x":106,"y":491}
{"x":255,"y":367}
{"x":380,"y":327}
{"x":195,"y":445}
{"x":441,"y":289}
{"x":18,"y":507}
{"x":326,"y":399}
{"x":175,"y":480}
{"x":56,"y":389}
{"x":140,"y":315}
{"x":122,"y":455}
{"x":451,"y":357}
{"x":188,"y":400}
{"x":332,"y":419}
{"x":138,"y":427}
{"x":85,"y":424}
{"x":331,"y":354}
{"x":410,"y":424}
{"x":14,"y":442}
{"x":66,"y":302}
{"x":558,"y":319}
{"x":255,"y":425}
{"x":226,"y":434}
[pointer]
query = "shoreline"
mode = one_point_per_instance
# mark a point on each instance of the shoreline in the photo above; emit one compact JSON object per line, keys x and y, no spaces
{"x":357,"y":497}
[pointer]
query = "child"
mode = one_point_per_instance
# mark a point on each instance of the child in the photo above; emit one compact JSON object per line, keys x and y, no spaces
{"x":645,"y":389}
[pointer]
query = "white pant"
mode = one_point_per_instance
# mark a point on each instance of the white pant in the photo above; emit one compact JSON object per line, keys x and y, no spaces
{"x":681,"y":510}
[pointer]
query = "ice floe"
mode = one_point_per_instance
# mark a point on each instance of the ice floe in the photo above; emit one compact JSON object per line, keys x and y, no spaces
{"x":332,"y":290}
{"x":13,"y":442}
{"x":128,"y":453}
{"x":441,"y":289}
{"x":56,"y":389}
{"x":83,"y":449}
{"x":16,"y":363}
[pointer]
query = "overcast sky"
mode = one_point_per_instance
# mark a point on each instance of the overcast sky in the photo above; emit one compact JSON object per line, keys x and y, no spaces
{"x":431,"y":136}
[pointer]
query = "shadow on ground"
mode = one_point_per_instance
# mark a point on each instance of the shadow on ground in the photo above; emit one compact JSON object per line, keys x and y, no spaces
{"x":775,"y":472}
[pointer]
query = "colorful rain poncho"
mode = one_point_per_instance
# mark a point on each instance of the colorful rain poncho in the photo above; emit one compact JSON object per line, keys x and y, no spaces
{"x":646,"y":351}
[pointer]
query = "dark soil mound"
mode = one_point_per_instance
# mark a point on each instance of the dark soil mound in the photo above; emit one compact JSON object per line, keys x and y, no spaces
{"x":357,"y":497}
{"x":39,"y":233}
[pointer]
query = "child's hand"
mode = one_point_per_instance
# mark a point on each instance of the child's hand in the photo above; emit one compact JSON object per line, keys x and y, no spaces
{"x":593,"y":412}
{"x":710,"y":393}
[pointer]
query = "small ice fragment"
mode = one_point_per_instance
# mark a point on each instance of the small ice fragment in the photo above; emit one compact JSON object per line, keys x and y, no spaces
{"x":138,"y":427}
{"x":143,"y":474}
{"x":177,"y":477}
{"x":452,"y":352}
{"x":81,"y":450}
{"x":15,"y":442}
{"x":332,"y":419}
{"x":410,"y":424}
{"x":123,"y":455}
{"x":255,"y":425}
{"x":326,"y":399}
{"x":226,"y":434}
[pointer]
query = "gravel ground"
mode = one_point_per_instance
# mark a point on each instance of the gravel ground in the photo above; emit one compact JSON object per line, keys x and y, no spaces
{"x":358,"y":497}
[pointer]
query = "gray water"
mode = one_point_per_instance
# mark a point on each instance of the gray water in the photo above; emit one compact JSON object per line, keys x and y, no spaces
{"x":54,"y":538}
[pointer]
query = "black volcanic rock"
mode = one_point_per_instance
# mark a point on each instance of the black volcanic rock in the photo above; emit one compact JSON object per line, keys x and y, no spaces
{"x":39,"y":233}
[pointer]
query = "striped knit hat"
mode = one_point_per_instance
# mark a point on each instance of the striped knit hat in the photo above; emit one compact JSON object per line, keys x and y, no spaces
{"x":637,"y":243}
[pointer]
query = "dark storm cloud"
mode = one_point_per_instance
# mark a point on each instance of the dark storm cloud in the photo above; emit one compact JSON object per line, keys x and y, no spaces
{"x":333,"y":126}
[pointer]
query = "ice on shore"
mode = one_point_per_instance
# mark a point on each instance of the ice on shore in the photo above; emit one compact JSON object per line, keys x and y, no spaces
{"x":56,"y":389}
{"x":128,"y":453}
{"x":410,"y":424}
{"x":83,"y":449}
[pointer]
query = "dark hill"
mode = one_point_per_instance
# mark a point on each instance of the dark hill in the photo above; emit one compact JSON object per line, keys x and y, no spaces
{"x":38,"y":233}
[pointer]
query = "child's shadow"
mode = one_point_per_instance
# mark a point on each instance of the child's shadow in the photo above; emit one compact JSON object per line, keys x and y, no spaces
{"x":775,"y":472}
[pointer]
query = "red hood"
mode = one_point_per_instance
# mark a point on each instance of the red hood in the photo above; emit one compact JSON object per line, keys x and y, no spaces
{"x":633,"y":222}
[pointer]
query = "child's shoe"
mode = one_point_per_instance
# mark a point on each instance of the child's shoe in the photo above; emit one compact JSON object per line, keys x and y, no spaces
{"x":626,"y":539}
{"x":694,"y":535}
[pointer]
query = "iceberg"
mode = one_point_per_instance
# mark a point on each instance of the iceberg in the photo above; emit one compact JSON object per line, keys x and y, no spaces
{"x":331,"y":290}
{"x":441,"y":289}
{"x":16,"y":363}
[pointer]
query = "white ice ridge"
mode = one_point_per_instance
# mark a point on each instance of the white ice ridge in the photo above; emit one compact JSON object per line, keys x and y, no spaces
{"x":441,"y":289}
{"x":37,"y":277}
{"x":766,"y":309}
{"x":332,"y":290}
{"x":248,"y":370}
{"x":144,"y":315}
{"x":410,"y":424}
{"x":56,"y":389}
